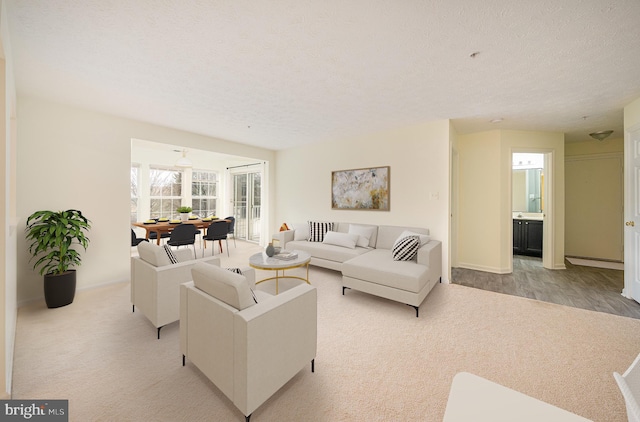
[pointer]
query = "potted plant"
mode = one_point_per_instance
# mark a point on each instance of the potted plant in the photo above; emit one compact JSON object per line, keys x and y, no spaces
{"x":184,"y":213}
{"x":52,"y":235}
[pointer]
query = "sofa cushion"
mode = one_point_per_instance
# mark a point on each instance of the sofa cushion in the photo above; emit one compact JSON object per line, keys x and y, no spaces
{"x":327,"y":252}
{"x":424,"y":238}
{"x":153,"y":254}
{"x":345,"y":240}
{"x":377,"y":266}
{"x":317,"y":230}
{"x":226,"y":286}
{"x":406,"y":248}
{"x":365,"y":233}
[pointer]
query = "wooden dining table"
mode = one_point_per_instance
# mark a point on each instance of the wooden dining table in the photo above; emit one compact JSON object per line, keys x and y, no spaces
{"x":167,"y":227}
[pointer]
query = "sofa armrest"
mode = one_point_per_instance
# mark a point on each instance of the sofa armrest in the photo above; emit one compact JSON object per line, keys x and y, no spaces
{"x":283,"y":237}
{"x":277,"y":336}
{"x":430,"y":255}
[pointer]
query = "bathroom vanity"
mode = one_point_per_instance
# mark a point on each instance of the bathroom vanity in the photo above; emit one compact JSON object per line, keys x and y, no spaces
{"x":527,"y":236}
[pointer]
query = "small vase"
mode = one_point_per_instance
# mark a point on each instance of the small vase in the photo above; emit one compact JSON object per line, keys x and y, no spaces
{"x":184,"y":216}
{"x":269,"y":250}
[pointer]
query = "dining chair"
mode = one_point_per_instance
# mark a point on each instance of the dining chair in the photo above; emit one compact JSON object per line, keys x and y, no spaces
{"x":232,"y":226}
{"x":217,"y":231}
{"x":629,"y":384}
{"x":135,"y":240}
{"x":154,"y":235}
{"x":182,"y":235}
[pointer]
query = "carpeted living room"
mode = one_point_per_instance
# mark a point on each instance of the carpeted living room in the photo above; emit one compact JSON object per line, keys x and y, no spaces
{"x":270,"y":103}
{"x":375,"y":361}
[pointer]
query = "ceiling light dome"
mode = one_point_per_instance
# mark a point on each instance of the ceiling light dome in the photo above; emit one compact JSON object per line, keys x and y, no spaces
{"x":601,"y":135}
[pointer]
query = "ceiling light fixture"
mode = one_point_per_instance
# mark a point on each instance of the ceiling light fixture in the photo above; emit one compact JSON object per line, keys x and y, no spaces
{"x":184,"y":161}
{"x":601,"y":135}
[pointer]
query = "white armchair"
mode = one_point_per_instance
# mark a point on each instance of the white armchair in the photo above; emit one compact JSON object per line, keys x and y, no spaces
{"x":155,"y":282}
{"x":629,"y":384}
{"x":248,"y":350}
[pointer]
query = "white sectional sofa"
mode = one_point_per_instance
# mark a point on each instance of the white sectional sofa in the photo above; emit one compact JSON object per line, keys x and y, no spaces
{"x":369,"y":265}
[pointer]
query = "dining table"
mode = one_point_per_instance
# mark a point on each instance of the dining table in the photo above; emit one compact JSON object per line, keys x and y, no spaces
{"x":161,"y":227}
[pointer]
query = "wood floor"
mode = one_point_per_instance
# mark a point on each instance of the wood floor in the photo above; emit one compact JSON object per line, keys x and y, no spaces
{"x":596,"y":289}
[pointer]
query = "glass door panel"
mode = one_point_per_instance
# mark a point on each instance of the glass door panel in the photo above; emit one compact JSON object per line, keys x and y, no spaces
{"x":247,"y":205}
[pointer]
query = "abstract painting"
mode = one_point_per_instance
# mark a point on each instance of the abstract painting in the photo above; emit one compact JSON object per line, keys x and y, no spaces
{"x":360,"y":189}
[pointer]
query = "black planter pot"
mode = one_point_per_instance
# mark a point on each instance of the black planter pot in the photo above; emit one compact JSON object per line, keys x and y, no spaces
{"x":59,"y":289}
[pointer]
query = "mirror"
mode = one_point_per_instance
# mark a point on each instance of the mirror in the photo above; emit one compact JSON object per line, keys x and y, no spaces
{"x":527,"y":183}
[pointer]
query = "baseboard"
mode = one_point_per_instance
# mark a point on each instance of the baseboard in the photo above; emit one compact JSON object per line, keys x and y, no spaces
{"x":483,"y":268}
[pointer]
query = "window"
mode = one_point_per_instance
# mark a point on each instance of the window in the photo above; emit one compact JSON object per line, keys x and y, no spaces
{"x":204,"y":193}
{"x":165,"y":188}
{"x":135,"y":180}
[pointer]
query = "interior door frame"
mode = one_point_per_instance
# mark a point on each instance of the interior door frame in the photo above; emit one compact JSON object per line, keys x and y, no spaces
{"x":548,"y":228}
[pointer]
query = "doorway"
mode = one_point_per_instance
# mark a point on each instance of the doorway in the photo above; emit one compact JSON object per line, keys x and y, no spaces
{"x":247,"y":202}
{"x":531,"y":205}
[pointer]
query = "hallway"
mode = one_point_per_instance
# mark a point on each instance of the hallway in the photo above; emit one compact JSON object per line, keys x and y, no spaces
{"x":596,"y":289}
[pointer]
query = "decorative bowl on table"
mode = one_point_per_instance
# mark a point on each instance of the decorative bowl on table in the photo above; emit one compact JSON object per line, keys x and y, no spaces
{"x":149,"y":222}
{"x":175,"y":221}
{"x":193,"y":217}
{"x":163,"y":220}
{"x":207,"y":219}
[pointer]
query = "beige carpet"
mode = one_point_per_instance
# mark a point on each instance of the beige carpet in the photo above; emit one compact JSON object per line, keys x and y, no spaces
{"x":376,"y":361}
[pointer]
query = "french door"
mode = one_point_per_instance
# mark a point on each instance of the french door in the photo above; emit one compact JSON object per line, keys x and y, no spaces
{"x":247,"y":200}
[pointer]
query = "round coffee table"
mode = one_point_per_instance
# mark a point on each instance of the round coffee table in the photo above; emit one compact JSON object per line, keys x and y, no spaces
{"x":261,"y":261}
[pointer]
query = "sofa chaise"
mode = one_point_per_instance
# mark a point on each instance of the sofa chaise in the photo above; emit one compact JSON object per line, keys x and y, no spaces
{"x":365,"y":254}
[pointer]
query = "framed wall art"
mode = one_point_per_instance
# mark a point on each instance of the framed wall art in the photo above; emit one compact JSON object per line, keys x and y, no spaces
{"x":361,"y":189}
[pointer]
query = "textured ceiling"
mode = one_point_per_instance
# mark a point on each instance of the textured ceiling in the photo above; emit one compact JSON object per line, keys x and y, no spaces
{"x":282,"y":73}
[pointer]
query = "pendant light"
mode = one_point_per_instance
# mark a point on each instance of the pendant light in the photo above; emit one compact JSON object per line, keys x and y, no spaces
{"x":184,"y":161}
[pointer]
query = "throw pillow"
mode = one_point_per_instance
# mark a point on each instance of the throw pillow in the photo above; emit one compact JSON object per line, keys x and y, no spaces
{"x":317,"y":230}
{"x":300,"y":231}
{"x":346,"y":240}
{"x":406,"y":248}
{"x":284,"y":227}
{"x":364,"y":234}
{"x":170,"y":254}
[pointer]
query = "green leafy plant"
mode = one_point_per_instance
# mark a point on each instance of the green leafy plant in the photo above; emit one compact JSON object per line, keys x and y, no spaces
{"x":52,"y":235}
{"x":184,"y":209}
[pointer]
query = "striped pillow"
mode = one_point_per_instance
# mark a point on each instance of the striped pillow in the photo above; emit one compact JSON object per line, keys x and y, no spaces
{"x":317,"y":230}
{"x":406,"y":248}
{"x":170,"y":254}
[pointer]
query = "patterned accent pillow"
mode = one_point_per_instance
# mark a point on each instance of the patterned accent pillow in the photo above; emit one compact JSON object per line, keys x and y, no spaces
{"x":235,"y":270}
{"x":239,"y":271}
{"x":317,"y":230}
{"x":170,"y":254}
{"x":406,"y":248}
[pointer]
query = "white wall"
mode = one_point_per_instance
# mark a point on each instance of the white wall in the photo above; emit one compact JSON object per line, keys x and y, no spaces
{"x":419,"y":161}
{"x":75,"y":158}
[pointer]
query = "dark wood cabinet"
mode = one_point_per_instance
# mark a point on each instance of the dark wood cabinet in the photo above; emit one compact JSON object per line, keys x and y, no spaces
{"x":527,"y":237}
